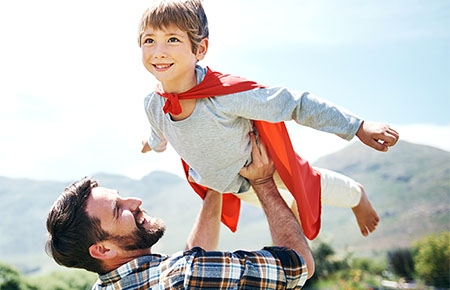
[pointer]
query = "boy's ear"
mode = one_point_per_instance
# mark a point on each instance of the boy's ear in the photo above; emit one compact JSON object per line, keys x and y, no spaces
{"x":202,"y":49}
{"x":102,"y":251}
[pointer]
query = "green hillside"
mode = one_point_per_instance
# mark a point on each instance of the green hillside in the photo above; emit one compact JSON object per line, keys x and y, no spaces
{"x":26,"y":204}
{"x":409,"y":186}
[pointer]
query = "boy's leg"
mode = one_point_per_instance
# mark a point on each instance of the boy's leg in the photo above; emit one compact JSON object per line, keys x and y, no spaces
{"x":341,"y":190}
{"x":337,"y":190}
{"x":251,"y":197}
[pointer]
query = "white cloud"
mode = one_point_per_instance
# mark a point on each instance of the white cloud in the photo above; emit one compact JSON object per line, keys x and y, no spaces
{"x":436,"y":136}
{"x":312,"y":144}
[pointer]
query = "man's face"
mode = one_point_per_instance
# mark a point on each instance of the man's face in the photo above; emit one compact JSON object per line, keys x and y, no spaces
{"x":127,"y":224}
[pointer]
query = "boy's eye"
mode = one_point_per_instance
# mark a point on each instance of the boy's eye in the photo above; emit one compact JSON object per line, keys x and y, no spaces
{"x":173,"y":39}
{"x":148,"y":40}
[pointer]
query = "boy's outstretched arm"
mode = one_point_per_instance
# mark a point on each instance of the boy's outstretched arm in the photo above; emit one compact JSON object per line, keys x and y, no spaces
{"x":379,"y":136}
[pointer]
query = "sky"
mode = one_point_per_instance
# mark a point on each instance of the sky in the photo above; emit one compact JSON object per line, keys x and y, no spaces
{"x":72,"y":82}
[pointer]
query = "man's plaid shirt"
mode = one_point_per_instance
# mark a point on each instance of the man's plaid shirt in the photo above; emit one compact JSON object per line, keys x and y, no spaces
{"x":269,"y":268}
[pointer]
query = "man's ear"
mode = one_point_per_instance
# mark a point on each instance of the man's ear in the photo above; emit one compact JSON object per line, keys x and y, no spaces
{"x":102,"y":251}
{"x":202,"y":49}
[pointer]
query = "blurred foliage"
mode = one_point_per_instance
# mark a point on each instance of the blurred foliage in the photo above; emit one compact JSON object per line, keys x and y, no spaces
{"x":369,"y":265}
{"x":325,"y":264}
{"x":345,"y":273}
{"x":401,"y":263}
{"x":9,"y":278}
{"x":428,"y":260}
{"x":73,"y":279}
{"x":12,"y":279}
{"x":432,"y":259}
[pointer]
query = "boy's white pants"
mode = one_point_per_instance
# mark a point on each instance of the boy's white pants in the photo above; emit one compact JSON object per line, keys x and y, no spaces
{"x":336,"y":190}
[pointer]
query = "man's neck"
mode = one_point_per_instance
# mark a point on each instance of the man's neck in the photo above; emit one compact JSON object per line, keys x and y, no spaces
{"x":116,"y":262}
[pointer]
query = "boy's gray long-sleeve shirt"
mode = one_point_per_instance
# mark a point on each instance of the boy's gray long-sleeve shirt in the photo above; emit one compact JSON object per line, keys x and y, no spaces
{"x":214,"y":140}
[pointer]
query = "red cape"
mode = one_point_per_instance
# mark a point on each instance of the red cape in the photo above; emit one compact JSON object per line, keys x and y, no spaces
{"x":299,"y":177}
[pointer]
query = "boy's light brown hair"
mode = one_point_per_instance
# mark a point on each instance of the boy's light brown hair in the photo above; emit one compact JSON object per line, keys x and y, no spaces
{"x":188,"y":15}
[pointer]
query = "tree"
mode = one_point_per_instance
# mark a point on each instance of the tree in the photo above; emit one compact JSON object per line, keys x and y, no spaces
{"x":401,"y":263}
{"x":325,"y":265}
{"x":11,"y":279}
{"x":342,"y":273}
{"x":73,"y":279}
{"x":432,"y":259}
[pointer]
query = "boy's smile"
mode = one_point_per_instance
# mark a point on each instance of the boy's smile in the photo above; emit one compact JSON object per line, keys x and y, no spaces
{"x":162,"y":67}
{"x":167,"y":54}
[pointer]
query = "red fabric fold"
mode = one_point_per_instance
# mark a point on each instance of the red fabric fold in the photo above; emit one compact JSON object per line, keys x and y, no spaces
{"x":231,"y":205}
{"x":172,"y":104}
{"x":228,"y":84}
{"x":299,"y":177}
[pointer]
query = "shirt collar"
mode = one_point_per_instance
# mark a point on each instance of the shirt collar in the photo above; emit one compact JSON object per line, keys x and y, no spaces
{"x":200,"y":72}
{"x":130,"y":267}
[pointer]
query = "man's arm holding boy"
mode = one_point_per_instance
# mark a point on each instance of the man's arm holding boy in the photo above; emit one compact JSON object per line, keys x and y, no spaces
{"x":206,"y":230}
{"x":284,"y":227}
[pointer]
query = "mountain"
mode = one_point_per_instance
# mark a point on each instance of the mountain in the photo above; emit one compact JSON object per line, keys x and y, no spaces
{"x":26,"y":204}
{"x":409,"y":187}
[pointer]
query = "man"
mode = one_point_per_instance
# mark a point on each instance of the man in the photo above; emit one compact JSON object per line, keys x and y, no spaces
{"x":96,"y":229}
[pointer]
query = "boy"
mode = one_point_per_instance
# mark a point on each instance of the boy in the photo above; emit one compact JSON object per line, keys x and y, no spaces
{"x":207,"y":117}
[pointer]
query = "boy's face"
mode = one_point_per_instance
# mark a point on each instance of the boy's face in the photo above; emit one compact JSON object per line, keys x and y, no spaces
{"x":167,"y":54}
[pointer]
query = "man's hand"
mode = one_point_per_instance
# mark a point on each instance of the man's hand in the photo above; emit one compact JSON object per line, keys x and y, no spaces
{"x":262,"y":167}
{"x":377,"y":135}
{"x":145,"y":146}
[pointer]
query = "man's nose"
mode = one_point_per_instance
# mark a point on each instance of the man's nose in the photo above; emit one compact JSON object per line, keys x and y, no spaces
{"x":133,"y":203}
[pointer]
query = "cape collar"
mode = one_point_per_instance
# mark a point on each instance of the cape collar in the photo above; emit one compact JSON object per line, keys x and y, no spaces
{"x":213,"y":84}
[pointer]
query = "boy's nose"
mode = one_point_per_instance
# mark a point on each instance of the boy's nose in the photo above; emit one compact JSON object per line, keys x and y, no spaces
{"x":160,"y":51}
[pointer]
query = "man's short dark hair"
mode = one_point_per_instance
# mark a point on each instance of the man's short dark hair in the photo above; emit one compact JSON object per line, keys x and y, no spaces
{"x":72,"y":231}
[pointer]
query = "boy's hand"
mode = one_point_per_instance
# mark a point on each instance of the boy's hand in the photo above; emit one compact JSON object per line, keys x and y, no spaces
{"x":377,"y":135}
{"x":262,"y":167}
{"x":145,"y":146}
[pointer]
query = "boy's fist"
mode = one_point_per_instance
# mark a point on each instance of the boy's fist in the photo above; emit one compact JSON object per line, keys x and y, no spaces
{"x":145,"y":146}
{"x":377,"y":135}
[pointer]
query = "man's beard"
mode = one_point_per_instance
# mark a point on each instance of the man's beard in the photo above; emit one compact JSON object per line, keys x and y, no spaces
{"x":140,"y":238}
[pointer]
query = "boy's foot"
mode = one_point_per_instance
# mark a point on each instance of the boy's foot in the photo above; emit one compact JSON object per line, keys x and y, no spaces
{"x":365,"y":214}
